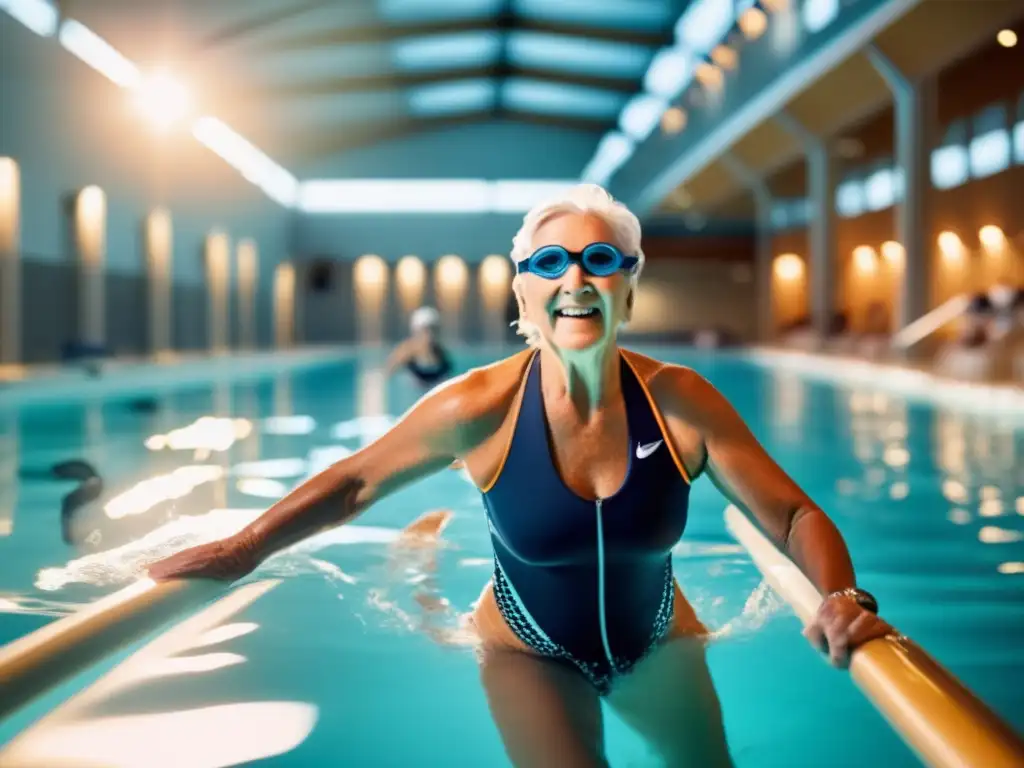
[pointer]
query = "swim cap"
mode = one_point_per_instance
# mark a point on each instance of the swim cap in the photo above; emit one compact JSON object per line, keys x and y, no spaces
{"x":423,"y":318}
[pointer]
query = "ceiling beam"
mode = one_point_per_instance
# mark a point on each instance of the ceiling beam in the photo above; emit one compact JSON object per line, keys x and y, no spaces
{"x":326,"y":143}
{"x":379,"y":33}
{"x":572,"y":122}
{"x":342,"y":138}
{"x":253,"y":24}
{"x":502,"y":62}
{"x":397,"y":81}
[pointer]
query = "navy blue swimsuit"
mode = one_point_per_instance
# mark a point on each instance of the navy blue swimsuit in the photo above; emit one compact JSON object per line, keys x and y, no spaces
{"x":587,"y":582}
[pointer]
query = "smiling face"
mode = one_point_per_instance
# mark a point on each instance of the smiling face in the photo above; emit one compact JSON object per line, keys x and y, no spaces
{"x":577,"y":310}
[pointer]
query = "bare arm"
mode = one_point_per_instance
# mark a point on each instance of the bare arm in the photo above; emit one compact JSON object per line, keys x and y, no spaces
{"x":441,"y":427}
{"x":398,"y":357}
{"x":745,"y":474}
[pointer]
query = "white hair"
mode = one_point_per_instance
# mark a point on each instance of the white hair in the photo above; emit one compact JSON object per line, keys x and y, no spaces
{"x":589,"y":199}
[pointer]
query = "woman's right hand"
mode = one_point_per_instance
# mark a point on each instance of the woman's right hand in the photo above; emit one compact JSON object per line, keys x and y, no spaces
{"x":223,"y":560}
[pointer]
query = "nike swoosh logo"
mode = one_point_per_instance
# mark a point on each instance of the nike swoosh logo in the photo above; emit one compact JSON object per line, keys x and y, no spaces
{"x":643,"y":451}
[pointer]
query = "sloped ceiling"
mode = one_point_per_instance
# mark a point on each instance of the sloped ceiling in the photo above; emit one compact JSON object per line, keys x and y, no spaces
{"x":309,"y":79}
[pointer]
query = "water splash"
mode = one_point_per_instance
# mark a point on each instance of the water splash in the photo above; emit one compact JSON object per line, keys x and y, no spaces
{"x":128,"y":562}
{"x":120,"y":565}
{"x":761,"y":605}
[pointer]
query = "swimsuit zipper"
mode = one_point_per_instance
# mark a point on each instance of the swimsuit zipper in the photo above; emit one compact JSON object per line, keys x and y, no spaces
{"x":600,"y":588}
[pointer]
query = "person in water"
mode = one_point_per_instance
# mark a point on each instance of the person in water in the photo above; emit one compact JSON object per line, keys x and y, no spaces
{"x":422,"y":354}
{"x":584,"y":453}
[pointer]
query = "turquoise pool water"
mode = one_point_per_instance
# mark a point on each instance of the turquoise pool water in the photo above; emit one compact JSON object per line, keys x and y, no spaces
{"x":339,"y":664}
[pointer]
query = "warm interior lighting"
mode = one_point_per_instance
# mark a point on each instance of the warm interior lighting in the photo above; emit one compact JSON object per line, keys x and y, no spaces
{"x":849,"y":148}
{"x":495,"y":276}
{"x":371,"y":288}
{"x":1006,"y":38}
{"x":10,"y":196}
{"x":218,"y":266}
{"x":710,"y":76}
{"x":90,"y":224}
{"x":284,"y":305}
{"x":865,"y":259}
{"x":158,"y":237}
{"x":245,"y":255}
{"x":992,"y":238}
{"x":788,"y":267}
{"x":411,"y":272}
{"x":370,"y":271}
{"x":159,"y":245}
{"x":410,"y":281}
{"x":673,"y":120}
{"x":451,"y":277}
{"x":10,"y":267}
{"x":894,"y":253}
{"x":680,"y":198}
{"x":162,"y":100}
{"x":725,"y":57}
{"x":217,"y":259}
{"x":775,"y":6}
{"x":752,"y":23}
{"x":950,"y":245}
{"x":495,"y":271}
{"x":451,"y":273}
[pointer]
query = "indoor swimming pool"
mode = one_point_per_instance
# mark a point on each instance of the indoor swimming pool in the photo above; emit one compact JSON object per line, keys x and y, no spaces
{"x":345,"y":651}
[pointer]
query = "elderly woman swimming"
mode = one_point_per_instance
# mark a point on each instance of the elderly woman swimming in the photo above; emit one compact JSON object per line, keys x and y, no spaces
{"x":584,"y":453}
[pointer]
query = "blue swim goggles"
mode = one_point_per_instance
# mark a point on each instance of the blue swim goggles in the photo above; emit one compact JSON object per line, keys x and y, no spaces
{"x":597,"y":259}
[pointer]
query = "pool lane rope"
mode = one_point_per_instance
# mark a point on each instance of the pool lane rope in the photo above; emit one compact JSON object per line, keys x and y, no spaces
{"x":933,"y":712}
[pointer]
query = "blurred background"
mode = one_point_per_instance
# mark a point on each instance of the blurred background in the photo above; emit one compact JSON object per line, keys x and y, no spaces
{"x":232,"y":210}
{"x":185,"y":175}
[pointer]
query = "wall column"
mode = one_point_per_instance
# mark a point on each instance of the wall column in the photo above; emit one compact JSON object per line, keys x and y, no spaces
{"x":10,"y":262}
{"x":914,"y":128}
{"x":451,"y":284}
{"x":284,"y":306}
{"x":495,"y":283}
{"x":821,"y":199}
{"x":764,"y":248}
{"x":159,"y":245}
{"x":91,"y":247}
{"x":10,"y":465}
{"x":370,"y":286}
{"x":247,"y":268}
{"x":218,"y":279}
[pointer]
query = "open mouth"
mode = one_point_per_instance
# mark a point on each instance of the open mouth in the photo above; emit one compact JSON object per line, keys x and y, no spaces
{"x":578,"y":313}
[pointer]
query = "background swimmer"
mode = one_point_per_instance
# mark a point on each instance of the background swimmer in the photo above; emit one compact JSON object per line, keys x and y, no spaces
{"x":422,"y":354}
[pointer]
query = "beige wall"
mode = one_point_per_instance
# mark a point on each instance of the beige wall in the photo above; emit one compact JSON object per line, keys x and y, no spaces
{"x":962,"y":211}
{"x":686,"y":294}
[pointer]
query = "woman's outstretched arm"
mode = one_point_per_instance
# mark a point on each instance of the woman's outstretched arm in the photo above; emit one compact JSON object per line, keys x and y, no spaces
{"x":444,"y":425}
{"x":745,"y":474}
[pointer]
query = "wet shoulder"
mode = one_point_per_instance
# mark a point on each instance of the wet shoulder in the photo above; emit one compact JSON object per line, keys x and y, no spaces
{"x":667,"y":381}
{"x":481,"y":399}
